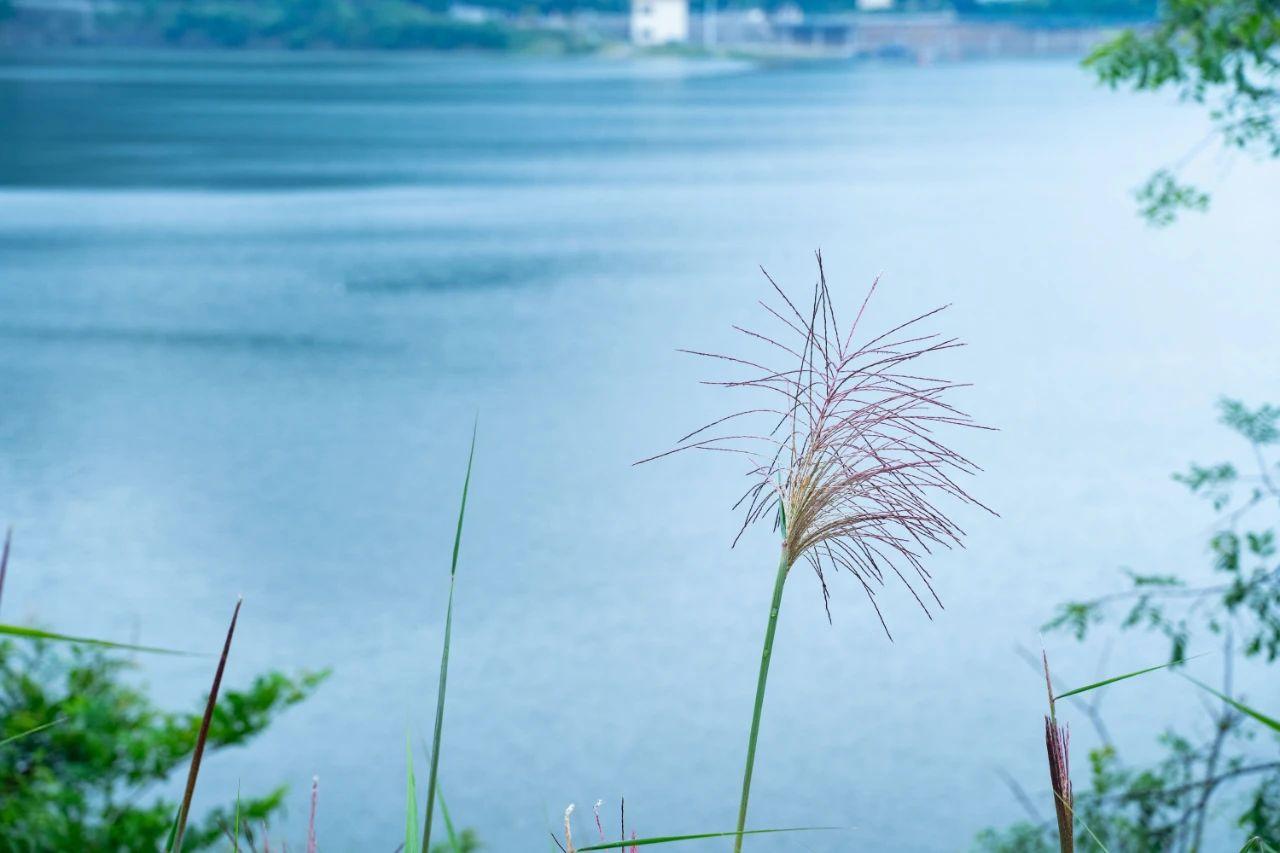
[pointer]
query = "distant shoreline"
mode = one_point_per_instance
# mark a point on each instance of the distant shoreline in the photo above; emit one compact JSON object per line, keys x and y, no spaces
{"x":943,"y":36}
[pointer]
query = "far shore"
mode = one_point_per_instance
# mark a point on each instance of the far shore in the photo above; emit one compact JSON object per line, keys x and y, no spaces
{"x":747,"y":35}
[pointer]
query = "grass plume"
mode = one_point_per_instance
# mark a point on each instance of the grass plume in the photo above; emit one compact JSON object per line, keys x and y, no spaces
{"x":843,"y":455}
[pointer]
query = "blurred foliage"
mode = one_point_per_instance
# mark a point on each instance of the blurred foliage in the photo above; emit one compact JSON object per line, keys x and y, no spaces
{"x":1066,"y":10}
{"x":386,"y":24}
{"x":1166,"y":805}
{"x":1222,"y":54}
{"x":468,"y":842}
{"x":90,"y":782}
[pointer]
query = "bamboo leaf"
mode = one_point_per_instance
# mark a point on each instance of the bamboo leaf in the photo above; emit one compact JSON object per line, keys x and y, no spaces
{"x":1269,"y":722}
{"x":1094,"y":686}
{"x":668,"y":839}
{"x":444,"y":656}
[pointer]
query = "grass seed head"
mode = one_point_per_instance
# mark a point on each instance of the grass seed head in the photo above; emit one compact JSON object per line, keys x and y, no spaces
{"x":844,"y":446}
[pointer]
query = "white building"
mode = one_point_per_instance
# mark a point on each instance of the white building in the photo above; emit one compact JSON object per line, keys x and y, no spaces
{"x":659,"y":21}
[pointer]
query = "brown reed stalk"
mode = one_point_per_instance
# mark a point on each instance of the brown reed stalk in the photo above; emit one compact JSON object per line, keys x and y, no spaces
{"x":844,"y":457}
{"x":185,"y":809}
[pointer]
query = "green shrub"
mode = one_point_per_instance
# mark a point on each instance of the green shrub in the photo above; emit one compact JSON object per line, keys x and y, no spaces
{"x":91,"y":781}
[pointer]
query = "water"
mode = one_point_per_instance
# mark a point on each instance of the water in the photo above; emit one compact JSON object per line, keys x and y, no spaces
{"x":250,"y":305}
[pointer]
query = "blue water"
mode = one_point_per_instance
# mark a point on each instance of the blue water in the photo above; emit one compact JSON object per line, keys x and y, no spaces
{"x":250,"y":306}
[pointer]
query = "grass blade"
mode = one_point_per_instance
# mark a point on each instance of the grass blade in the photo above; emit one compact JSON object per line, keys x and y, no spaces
{"x":1104,"y":682}
{"x":454,"y":844}
{"x":235,"y":833}
{"x":444,"y":656}
{"x":1269,"y":722}
{"x":411,"y":804}
{"x":184,"y":810}
{"x":22,"y":632}
{"x":4,"y":558}
{"x":25,"y":633}
{"x":21,"y":735}
{"x":1096,"y":840}
{"x":670,"y":839}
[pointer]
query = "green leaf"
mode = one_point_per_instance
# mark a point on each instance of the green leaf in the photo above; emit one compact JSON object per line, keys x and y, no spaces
{"x":1162,"y":197}
{"x":411,"y":803}
{"x":454,"y":844}
{"x":444,"y":656}
{"x":25,"y":633}
{"x":1095,"y":685}
{"x":668,"y":839}
{"x":1269,"y":722}
{"x":1259,"y":426}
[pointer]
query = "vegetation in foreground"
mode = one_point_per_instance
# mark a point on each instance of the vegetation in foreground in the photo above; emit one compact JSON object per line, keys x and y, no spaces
{"x":87,"y":777}
{"x":1229,"y":772}
{"x":81,"y":748}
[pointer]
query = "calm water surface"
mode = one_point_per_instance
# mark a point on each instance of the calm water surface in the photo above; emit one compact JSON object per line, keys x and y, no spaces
{"x":249,"y":306}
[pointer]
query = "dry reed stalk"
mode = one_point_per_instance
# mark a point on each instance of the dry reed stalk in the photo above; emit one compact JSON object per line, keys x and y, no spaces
{"x":185,"y":809}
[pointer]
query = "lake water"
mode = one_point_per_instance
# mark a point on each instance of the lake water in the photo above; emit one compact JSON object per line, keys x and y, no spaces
{"x":250,"y":305}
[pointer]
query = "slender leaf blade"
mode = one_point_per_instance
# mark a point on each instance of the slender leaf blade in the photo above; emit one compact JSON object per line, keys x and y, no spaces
{"x":454,"y":844}
{"x":411,"y":803}
{"x":670,"y":839}
{"x":1104,"y":682}
{"x":1269,"y":722}
{"x":25,"y":633}
{"x":444,"y":655}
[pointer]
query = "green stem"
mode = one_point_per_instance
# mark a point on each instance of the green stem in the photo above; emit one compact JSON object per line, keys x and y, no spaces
{"x":765,"y":656}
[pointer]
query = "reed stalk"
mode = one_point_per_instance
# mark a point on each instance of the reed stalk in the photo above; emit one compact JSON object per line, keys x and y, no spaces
{"x":184,"y":810}
{"x":784,"y":568}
